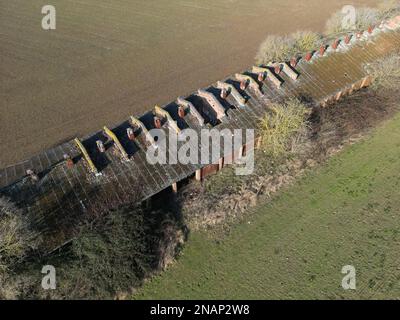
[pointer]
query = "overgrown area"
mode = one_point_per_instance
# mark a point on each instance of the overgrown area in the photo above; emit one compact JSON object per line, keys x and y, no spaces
{"x":386,"y":73}
{"x":283,"y":127}
{"x":340,"y":22}
{"x":111,"y":255}
{"x":281,"y":48}
{"x":17,"y":239}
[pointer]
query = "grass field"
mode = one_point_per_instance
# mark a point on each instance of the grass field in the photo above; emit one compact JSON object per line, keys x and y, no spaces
{"x":344,"y":213}
{"x":110,"y":59}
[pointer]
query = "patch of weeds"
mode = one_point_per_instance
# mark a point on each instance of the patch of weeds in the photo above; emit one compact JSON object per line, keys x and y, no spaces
{"x":280,"y":127}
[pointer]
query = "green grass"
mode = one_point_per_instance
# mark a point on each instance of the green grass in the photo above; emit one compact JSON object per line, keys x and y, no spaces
{"x":344,"y":213}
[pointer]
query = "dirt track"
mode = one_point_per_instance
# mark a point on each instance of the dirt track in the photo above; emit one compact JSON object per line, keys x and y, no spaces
{"x":109,"y":59}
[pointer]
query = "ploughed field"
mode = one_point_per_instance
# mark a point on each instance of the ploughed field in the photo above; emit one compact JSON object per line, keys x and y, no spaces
{"x":109,"y":59}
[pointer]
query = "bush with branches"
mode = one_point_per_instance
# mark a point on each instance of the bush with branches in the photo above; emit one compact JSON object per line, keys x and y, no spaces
{"x":275,"y":48}
{"x":386,"y":72}
{"x":365,"y":17}
{"x":282,"y":48}
{"x":16,"y":237}
{"x":280,"y":127}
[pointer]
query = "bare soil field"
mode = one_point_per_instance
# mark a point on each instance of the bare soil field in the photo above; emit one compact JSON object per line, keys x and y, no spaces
{"x":109,"y":59}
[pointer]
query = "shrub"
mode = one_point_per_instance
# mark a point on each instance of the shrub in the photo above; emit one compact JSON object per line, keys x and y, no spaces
{"x":279,"y":48}
{"x":306,"y":41}
{"x":106,"y":258}
{"x":365,"y":17}
{"x":386,"y":72}
{"x":275,"y":48}
{"x":16,"y":239}
{"x":279,"y":128}
{"x":112,"y":254}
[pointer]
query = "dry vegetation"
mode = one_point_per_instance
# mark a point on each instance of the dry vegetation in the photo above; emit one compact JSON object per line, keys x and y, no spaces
{"x":386,"y":73}
{"x":365,"y":17}
{"x":280,"y":48}
{"x":305,"y":41}
{"x":16,"y":238}
{"x":280,"y":128}
{"x":111,"y":254}
{"x":275,"y":48}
